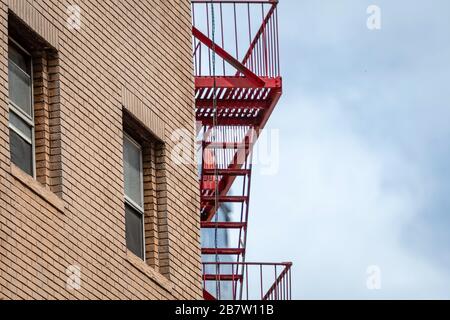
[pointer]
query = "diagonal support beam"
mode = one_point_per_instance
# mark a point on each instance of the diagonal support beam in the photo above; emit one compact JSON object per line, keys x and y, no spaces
{"x":258,"y":82}
{"x":226,"y":183}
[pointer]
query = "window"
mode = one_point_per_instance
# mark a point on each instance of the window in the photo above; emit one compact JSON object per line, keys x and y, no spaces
{"x":134,"y":196}
{"x":145,"y":193}
{"x":34,"y":105}
{"x":21,"y":113}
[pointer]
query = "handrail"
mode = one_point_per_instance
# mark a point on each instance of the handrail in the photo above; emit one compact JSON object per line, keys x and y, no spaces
{"x":248,"y":25}
{"x":234,"y":283}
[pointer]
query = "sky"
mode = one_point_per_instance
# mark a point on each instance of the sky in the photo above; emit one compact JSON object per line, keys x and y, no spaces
{"x":364,"y":131}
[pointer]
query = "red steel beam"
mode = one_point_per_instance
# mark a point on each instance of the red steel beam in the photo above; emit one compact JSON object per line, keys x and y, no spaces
{"x":222,"y":225}
{"x":208,"y":296}
{"x":237,"y":1}
{"x":234,"y":199}
{"x":208,"y":121}
{"x":226,"y":185}
{"x":276,"y":95}
{"x":231,"y":263}
{"x":226,"y":182}
{"x":226,"y":172}
{"x":232,"y":104}
{"x":223,"y":277}
{"x":226,"y":145}
{"x":235,"y":82}
{"x":224,"y":251}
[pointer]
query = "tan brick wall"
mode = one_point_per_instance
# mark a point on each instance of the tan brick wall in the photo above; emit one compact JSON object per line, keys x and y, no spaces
{"x":131,"y":52}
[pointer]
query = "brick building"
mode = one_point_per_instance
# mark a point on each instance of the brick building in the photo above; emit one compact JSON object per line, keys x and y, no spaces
{"x":91,"y":204}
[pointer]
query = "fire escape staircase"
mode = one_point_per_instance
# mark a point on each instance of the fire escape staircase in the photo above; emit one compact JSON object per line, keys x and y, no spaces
{"x":234,"y":98}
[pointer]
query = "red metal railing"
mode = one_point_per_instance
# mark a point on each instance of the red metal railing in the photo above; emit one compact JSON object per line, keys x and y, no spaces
{"x":248,"y":281}
{"x":251,"y":40}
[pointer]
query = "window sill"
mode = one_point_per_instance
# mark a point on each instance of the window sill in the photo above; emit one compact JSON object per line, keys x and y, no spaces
{"x":151,"y":273}
{"x":37,"y":188}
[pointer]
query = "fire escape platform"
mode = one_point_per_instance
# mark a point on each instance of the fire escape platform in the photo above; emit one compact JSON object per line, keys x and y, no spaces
{"x":239,"y":101}
{"x":235,"y":83}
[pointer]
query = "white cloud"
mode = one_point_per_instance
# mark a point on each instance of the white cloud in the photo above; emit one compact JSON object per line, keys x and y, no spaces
{"x":338,"y":206}
{"x":364,"y":149}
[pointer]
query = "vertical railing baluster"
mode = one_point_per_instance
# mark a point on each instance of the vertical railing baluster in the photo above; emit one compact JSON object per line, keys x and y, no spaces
{"x":223,"y":37}
{"x":208,"y":33}
{"x":236,"y":32}
{"x":195,"y":41}
{"x":204,"y":272}
{"x":272,"y":53}
{"x":264,"y":39}
{"x":249,"y":33}
{"x":246,"y":279}
{"x":276,"y":296}
{"x":278,"y":42}
{"x":261,"y":280}
{"x":218,"y":283}
{"x":233,"y":284}
{"x":290,"y":284}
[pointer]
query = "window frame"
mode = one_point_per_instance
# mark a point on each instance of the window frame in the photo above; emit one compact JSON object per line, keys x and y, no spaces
{"x":128,"y":201}
{"x":12,"y":107}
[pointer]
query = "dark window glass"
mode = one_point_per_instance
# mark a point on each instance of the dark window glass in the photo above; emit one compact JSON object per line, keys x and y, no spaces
{"x":19,"y":79}
{"x":21,"y":109}
{"x":134,"y":231}
{"x":132,"y":170}
{"x":19,"y":58}
{"x":21,"y":152}
{"x":20,"y":89}
{"x":20,"y":125}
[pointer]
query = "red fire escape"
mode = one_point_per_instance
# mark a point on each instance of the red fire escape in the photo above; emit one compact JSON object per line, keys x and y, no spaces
{"x":237,"y":86}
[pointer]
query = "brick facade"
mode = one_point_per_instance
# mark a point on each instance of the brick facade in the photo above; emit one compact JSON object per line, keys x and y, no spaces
{"x":128,"y":56}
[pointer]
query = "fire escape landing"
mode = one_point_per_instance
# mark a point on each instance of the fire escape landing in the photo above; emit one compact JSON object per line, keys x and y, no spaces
{"x":235,"y":95}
